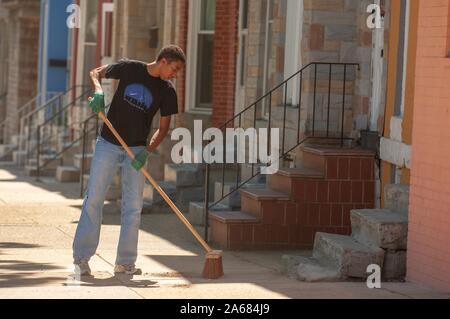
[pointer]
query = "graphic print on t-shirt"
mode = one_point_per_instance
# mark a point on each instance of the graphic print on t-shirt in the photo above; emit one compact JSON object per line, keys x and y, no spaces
{"x":139,"y":96}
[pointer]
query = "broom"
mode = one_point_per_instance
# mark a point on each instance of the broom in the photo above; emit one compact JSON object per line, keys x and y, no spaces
{"x":213,"y":268}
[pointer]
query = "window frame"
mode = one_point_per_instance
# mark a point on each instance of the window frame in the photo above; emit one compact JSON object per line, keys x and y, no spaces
{"x":194,"y":30}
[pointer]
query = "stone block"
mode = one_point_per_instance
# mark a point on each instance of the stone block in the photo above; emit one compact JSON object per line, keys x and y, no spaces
{"x":380,"y":227}
{"x":184,"y":175}
{"x":67,"y":174}
{"x":396,"y":197}
{"x":394,"y":266}
{"x":345,"y":254}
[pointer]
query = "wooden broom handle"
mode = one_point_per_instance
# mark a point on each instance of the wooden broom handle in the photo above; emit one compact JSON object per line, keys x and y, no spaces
{"x":156,"y":186}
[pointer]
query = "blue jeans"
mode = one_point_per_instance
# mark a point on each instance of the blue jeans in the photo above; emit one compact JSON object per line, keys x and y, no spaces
{"x":107,"y":158}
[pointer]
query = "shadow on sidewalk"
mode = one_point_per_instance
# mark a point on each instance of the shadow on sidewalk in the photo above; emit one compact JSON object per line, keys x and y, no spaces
{"x":67,"y":190}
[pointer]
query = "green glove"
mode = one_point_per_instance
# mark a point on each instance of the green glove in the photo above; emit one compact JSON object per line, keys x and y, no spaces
{"x":140,"y":160}
{"x":97,"y":104}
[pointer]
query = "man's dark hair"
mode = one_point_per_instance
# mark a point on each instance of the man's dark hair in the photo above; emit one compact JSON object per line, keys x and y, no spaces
{"x":171,"y":53}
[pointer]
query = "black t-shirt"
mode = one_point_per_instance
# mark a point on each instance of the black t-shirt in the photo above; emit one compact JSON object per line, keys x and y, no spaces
{"x":137,"y":99}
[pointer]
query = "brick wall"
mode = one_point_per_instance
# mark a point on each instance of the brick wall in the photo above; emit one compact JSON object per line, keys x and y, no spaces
{"x":224,"y":61}
{"x":429,"y":219}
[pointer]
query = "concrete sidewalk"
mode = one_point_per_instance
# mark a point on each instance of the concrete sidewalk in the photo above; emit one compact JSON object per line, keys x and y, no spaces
{"x":38,"y":222}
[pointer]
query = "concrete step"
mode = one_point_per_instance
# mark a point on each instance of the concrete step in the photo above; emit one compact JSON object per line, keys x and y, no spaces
{"x":15,"y":139}
{"x":87,"y":161}
{"x":308,"y":269}
{"x":380,"y":228}
{"x":48,"y":160}
{"x":32,"y":171}
{"x":67,"y":174}
{"x":151,"y":194}
{"x":114,"y":192}
{"x":184,"y":175}
{"x":159,"y":208}
{"x":197,"y":212}
{"x":396,"y":197}
{"x":343,"y":253}
{"x":233,"y":200}
{"x":155,"y":166}
{"x":19,"y":157}
{"x":6,"y":148}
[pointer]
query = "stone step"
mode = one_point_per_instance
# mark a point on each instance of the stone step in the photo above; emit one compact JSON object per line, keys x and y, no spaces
{"x":19,"y":157}
{"x":197,"y":212}
{"x":288,"y":180}
{"x":396,"y":197}
{"x":380,"y":228}
{"x":87,"y":161}
{"x":32,"y":171}
{"x":155,"y":166}
{"x":15,"y":139}
{"x":114,"y":192}
{"x":349,"y":257}
{"x":184,"y":175}
{"x":308,"y":269}
{"x":67,"y":174}
{"x":151,"y":194}
{"x":159,"y":208}
{"x":6,"y":148}
{"x":49,"y":161}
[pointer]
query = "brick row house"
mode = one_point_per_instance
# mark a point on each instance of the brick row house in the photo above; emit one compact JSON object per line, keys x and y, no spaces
{"x":19,"y":64}
{"x":345,"y":82}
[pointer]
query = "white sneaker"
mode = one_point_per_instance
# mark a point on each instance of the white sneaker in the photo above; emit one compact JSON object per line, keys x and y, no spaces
{"x":126,"y":269}
{"x":82,"y":269}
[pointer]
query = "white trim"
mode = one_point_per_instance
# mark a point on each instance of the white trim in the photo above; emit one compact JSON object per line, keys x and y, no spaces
{"x":266,"y":56}
{"x":194,"y":18}
{"x":293,"y":52}
{"x":193,"y":26}
{"x":377,"y":74}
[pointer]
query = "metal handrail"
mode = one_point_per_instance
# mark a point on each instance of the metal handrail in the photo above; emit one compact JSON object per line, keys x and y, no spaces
{"x":27,"y":120}
{"x":83,"y":157}
{"x":44,"y":124}
{"x":299,"y":141}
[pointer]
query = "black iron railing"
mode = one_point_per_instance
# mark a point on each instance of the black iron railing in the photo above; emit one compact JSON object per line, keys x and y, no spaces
{"x":50,"y":130}
{"x":320,"y":91}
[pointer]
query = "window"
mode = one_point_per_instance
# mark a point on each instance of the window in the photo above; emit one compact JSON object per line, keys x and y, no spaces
{"x":199,"y":86}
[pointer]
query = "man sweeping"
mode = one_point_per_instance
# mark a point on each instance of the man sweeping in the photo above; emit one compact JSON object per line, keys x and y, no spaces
{"x":144,"y":89}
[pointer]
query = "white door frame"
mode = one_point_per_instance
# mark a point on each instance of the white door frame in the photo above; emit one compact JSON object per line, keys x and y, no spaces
{"x":192,"y":50}
{"x":377,"y":73}
{"x":107,"y":84}
{"x":293,"y":52}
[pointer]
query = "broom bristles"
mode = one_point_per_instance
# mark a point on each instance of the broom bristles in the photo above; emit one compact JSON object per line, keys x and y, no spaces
{"x":213,"y":268}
